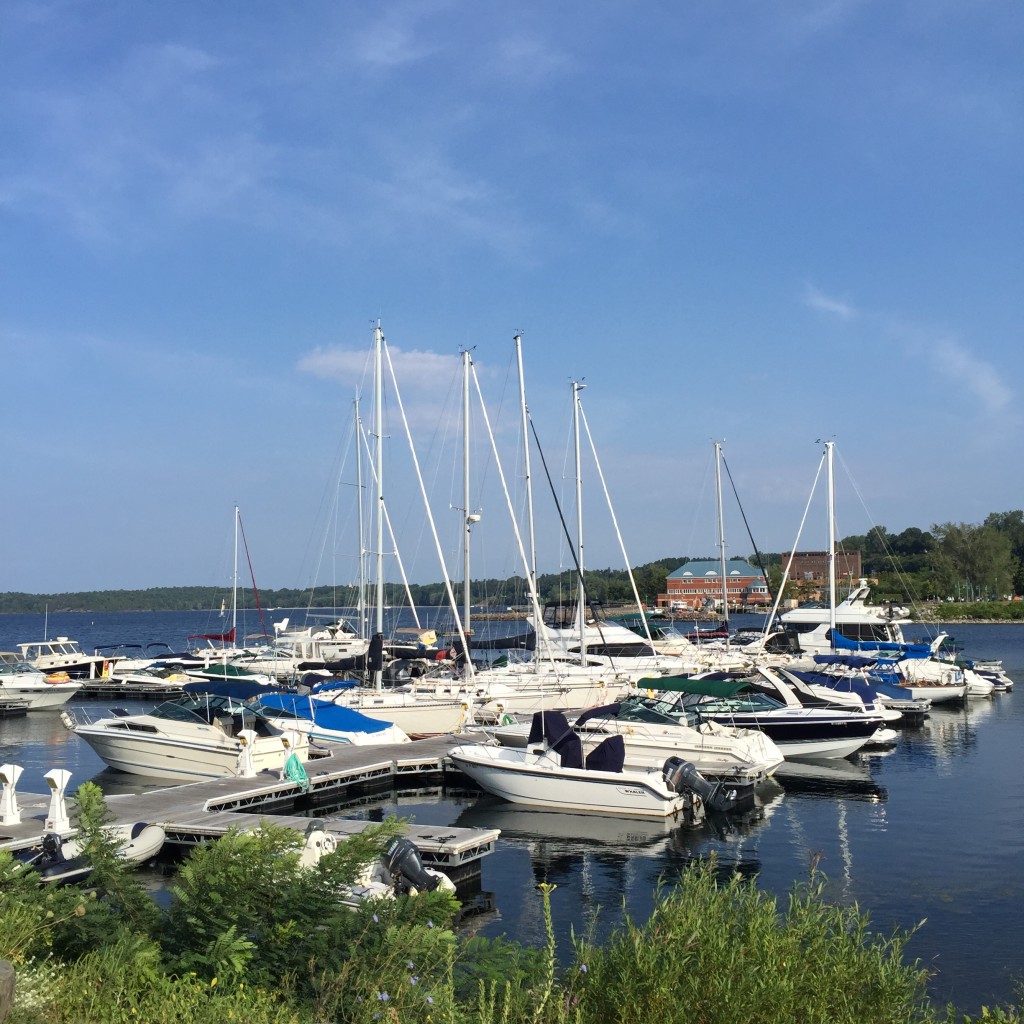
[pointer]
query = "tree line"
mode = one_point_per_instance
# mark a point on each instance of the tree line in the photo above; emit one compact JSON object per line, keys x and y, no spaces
{"x":962,"y":562}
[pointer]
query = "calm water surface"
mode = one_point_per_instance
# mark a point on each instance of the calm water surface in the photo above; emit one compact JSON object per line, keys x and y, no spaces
{"x":930,"y":832}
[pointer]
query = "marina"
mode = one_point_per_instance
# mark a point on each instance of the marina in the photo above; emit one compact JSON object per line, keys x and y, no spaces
{"x":896,"y":831}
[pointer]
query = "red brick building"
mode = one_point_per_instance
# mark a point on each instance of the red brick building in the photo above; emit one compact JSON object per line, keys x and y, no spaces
{"x":697,"y":585}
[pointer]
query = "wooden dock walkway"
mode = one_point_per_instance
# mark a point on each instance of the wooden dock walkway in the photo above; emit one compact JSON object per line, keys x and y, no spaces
{"x":195,"y":812}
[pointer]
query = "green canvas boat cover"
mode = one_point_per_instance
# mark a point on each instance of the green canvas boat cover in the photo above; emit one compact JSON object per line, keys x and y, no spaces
{"x":684,"y":684}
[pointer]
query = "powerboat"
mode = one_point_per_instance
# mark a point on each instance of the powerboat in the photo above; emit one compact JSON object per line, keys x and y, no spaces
{"x":799,"y":732}
{"x":652,"y":734}
{"x":325,"y":722}
{"x":198,"y":736}
{"x":552,"y":772}
{"x":63,"y":655}
{"x":24,"y":688}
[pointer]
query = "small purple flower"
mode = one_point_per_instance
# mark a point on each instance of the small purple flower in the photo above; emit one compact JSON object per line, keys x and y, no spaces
{"x":583,"y":968}
{"x":376,"y":919}
{"x":430,"y":999}
{"x":383,"y":996}
{"x":430,"y":924}
{"x":411,"y":965}
{"x":414,"y":979}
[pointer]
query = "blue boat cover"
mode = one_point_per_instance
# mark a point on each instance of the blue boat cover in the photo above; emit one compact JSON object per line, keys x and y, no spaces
{"x":323,"y":713}
{"x":850,"y":660}
{"x":841,"y":643}
{"x":335,"y":684}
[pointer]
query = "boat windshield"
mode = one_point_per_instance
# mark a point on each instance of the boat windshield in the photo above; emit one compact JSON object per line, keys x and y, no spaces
{"x":653,"y":710}
{"x":741,"y":703}
{"x":203,"y":708}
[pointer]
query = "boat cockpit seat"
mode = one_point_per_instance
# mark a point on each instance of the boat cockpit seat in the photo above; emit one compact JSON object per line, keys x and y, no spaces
{"x":569,"y":747}
{"x":226,"y":724}
{"x":608,"y":756}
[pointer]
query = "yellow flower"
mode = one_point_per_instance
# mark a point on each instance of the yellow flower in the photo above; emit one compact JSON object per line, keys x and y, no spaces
{"x":213,"y":982}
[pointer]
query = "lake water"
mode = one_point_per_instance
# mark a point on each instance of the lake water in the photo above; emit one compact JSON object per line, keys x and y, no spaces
{"x":932,"y":831}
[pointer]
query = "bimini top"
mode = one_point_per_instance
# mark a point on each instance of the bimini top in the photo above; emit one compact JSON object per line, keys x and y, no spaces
{"x":707,"y":687}
{"x":240,"y":689}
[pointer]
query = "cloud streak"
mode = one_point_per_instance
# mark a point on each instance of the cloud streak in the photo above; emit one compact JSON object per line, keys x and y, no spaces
{"x":966,"y":370}
{"x":818,"y":300}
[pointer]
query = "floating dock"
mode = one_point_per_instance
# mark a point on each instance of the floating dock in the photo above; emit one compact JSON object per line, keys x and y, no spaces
{"x":193,"y":813}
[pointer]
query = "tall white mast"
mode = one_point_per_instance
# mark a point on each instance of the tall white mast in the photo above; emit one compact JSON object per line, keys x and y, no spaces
{"x":234,"y":587}
{"x":829,"y":446}
{"x":721,"y":531}
{"x":524,"y":415}
{"x":581,"y":611}
{"x":378,"y":423}
{"x":467,"y":517}
{"x":361,"y":574}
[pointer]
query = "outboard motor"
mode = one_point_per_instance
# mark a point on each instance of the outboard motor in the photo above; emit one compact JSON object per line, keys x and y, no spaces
{"x":681,"y":775}
{"x":401,"y":859}
{"x":53,"y":848}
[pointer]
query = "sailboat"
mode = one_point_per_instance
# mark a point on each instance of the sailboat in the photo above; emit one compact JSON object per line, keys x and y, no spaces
{"x":416,"y":710}
{"x":222,"y":648}
{"x":854,"y":626}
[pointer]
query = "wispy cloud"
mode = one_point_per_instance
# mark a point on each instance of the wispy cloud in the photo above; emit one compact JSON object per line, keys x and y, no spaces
{"x":531,"y":59}
{"x":817,"y":299}
{"x":980,"y":378}
{"x":395,"y":39}
{"x":426,"y":380}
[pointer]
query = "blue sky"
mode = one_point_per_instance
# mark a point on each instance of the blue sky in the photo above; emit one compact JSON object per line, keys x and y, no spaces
{"x":762,"y":224}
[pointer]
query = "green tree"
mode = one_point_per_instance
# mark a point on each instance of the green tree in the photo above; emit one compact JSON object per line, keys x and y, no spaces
{"x":977,"y":557}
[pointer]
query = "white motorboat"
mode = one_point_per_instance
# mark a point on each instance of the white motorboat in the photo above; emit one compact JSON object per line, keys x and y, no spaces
{"x":63,"y":655}
{"x":418,"y":712}
{"x":198,"y":736}
{"x":325,"y":722}
{"x":399,"y":871}
{"x":652,"y":734}
{"x":23,"y":687}
{"x":798,"y":731}
{"x":551,"y":772}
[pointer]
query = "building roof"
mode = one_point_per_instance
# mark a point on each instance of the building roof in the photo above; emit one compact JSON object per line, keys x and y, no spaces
{"x":711,"y":570}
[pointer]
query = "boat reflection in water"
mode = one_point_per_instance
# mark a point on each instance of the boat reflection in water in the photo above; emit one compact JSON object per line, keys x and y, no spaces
{"x":828,"y":779}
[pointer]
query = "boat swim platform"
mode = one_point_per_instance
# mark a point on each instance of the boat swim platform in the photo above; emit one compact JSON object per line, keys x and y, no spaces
{"x":195,"y":812}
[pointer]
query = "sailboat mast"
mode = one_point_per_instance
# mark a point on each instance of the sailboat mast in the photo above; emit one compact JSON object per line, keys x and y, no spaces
{"x":361,"y":573}
{"x":467,"y":519}
{"x":581,"y":596}
{"x":829,"y":446}
{"x":524,"y":416}
{"x":721,"y":532}
{"x":378,"y":424}
{"x":234,"y":586}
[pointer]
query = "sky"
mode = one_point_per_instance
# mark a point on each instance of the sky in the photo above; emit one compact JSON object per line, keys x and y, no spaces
{"x":763,"y":225}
